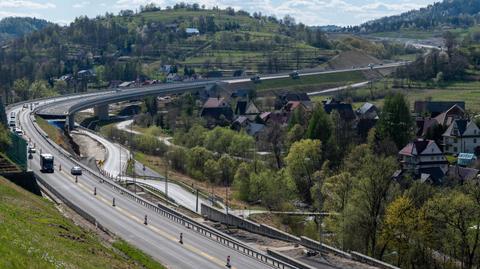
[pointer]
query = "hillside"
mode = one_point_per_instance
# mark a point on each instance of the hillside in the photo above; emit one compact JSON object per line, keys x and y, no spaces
{"x":132,"y":45}
{"x":442,"y":15}
{"x":34,"y":234}
{"x":13,"y":27}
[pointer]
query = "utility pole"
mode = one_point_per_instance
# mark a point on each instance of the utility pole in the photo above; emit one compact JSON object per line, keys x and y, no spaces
{"x":166,"y":178}
{"x":226,"y":196}
{"x":132,"y":160}
{"x":196,"y":208}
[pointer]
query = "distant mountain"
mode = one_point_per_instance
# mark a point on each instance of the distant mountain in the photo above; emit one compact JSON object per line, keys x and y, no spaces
{"x":13,"y":27}
{"x":449,"y":13}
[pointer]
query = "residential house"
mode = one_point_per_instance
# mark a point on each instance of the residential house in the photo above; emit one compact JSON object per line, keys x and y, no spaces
{"x":240,"y":123}
{"x":126,"y":84}
{"x":85,"y":74}
{"x":424,"y":160}
{"x":345,"y":110}
{"x":434,"y":108}
{"x":283,"y":99}
{"x":444,"y":119}
{"x":462,"y":174}
{"x":367,"y":116}
{"x":172,"y":77}
{"x":453,"y":113}
{"x":367,"y":111}
{"x":462,"y":136}
{"x":216,"y":107}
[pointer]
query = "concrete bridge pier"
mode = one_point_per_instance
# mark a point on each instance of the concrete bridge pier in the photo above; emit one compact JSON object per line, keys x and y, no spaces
{"x":70,"y":122}
{"x":101,"y":112}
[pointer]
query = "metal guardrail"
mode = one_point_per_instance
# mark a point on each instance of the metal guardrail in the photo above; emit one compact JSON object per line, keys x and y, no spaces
{"x":171,"y":214}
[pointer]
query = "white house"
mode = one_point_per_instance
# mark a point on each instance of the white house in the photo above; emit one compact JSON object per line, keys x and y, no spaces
{"x":462,"y":136}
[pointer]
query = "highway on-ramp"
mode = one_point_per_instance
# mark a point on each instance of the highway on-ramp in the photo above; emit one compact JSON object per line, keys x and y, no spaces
{"x":180,"y":195}
{"x":126,"y":219}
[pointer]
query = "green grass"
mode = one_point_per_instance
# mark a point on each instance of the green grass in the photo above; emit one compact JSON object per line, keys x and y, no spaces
{"x":468,"y":91}
{"x":342,"y":78}
{"x":53,"y":133}
{"x":412,"y":34}
{"x":451,"y":159}
{"x":34,"y":234}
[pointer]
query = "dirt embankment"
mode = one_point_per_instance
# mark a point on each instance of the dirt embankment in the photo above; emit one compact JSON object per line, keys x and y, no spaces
{"x":352,"y":58}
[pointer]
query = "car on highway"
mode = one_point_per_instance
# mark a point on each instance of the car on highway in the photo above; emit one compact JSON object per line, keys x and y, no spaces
{"x":76,"y":171}
{"x":25,"y":105}
{"x":46,"y":163}
{"x":12,"y":123}
{"x":295,"y":75}
{"x":18,"y":131}
{"x":255,"y":79}
{"x":32,"y":150}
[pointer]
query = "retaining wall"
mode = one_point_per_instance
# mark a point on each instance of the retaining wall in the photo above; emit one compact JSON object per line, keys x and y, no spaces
{"x":290,"y":260}
{"x":369,"y":260}
{"x":216,"y":215}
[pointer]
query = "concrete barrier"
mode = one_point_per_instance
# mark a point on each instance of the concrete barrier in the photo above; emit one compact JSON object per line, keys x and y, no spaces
{"x":315,"y":245}
{"x":369,"y":260}
{"x":290,"y":260}
{"x":229,"y":219}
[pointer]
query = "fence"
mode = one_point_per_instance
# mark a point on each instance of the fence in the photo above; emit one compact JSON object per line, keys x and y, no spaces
{"x":17,"y":151}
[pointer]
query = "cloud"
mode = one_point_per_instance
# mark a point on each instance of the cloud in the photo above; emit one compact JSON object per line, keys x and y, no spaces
{"x":81,"y":4}
{"x":4,"y":14}
{"x":25,"y":4}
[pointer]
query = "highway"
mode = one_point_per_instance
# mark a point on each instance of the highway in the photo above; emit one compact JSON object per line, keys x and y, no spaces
{"x":70,"y":107}
{"x":176,"y":192}
{"x":126,"y":219}
{"x":159,"y":238}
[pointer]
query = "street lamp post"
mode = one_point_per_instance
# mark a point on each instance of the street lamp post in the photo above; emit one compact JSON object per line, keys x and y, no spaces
{"x":167,"y":163}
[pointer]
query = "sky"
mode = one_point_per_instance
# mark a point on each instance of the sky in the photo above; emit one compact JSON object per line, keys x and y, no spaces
{"x":310,"y":12}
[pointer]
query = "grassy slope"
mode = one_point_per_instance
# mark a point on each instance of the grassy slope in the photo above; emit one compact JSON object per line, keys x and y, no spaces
{"x":53,"y":133}
{"x":455,"y":91}
{"x":256,"y":29}
{"x":33,"y":234}
{"x":327,"y":79}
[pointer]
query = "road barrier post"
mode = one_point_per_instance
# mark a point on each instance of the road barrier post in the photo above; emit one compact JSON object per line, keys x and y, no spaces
{"x":196,"y":207}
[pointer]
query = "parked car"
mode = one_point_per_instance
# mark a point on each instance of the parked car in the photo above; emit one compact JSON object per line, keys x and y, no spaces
{"x":76,"y":171}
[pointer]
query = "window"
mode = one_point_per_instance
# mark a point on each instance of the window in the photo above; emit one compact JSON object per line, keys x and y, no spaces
{"x":455,"y":140}
{"x":455,"y":149}
{"x":475,"y":141}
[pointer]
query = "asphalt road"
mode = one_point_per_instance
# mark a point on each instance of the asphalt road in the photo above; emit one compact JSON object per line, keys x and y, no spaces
{"x":159,"y":238}
{"x":176,"y":192}
{"x":62,"y":108}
